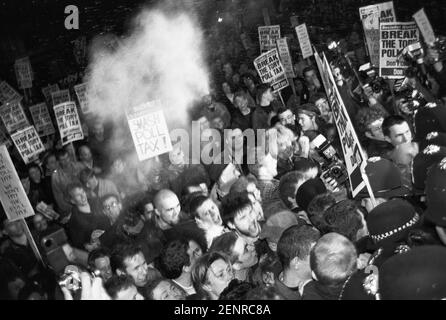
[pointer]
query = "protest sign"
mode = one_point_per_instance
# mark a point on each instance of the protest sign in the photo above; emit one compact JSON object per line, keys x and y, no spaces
{"x":268,"y":36}
{"x":42,"y":119}
{"x":7,"y":93}
{"x":13,"y":116}
{"x":81,"y":92}
{"x":68,"y":122}
{"x":28,"y":143}
{"x":271,"y":70}
{"x":371,"y":16}
{"x":285,"y":57}
{"x":394,"y":37}
{"x":48,"y":90}
{"x":355,"y":160}
{"x":425,"y":26}
{"x":304,"y":41}
{"x":12,"y":194}
{"x":24,"y":73}
{"x":60,"y":96}
{"x":149,"y":130}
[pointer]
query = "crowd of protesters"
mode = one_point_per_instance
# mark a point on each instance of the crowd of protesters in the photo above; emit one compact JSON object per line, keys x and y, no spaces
{"x":277,"y":228}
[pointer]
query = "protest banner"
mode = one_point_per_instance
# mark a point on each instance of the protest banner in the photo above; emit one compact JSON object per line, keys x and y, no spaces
{"x":81,"y":92}
{"x":12,"y":194}
{"x":7,"y":93}
{"x":271,"y":70}
{"x":425,"y":27}
{"x":394,"y":37}
{"x":285,"y":57}
{"x":24,"y":73}
{"x":60,"y":96}
{"x":42,"y":119}
{"x":28,"y":143}
{"x":268,"y":36}
{"x":304,"y":40}
{"x":48,"y":90}
{"x":355,"y":159}
{"x":13,"y":116}
{"x":149,"y":130}
{"x":371,"y":16}
{"x":68,"y":122}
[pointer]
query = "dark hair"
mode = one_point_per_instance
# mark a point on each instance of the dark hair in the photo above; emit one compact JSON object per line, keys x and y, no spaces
{"x":264,"y":293}
{"x":116,"y":284}
{"x":307,"y":69}
{"x":34,"y":165}
{"x":343,"y":218}
{"x":73,"y":185}
{"x":302,"y":165}
{"x":368,"y":115}
{"x":86,"y":174}
{"x":173,"y":258}
{"x":389,"y":122}
{"x":61,"y":153}
{"x":121,"y":252}
{"x":108,"y":196}
{"x":196,"y":203}
{"x":236,"y":290}
{"x":233,"y":204}
{"x":317,"y":207}
{"x":96,"y":254}
{"x":296,"y":241}
{"x":148,"y":289}
{"x":317,"y":96}
{"x":288,"y":186}
{"x":242,"y":183}
{"x":225,"y":244}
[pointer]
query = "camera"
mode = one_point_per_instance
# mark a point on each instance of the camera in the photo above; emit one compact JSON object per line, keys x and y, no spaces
{"x":412,"y":53}
{"x":71,"y":278}
{"x":337,"y":171}
{"x":440,"y":46}
{"x":411,"y":100}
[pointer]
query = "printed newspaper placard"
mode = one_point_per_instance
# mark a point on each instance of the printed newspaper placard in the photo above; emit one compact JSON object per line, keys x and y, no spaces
{"x":81,"y":92}
{"x":13,"y":116}
{"x":355,"y":160}
{"x":425,"y":26}
{"x":12,"y":194}
{"x":149,"y":130}
{"x":60,"y":96}
{"x":48,"y":90}
{"x":268,"y":36}
{"x":285,"y":57}
{"x":271,"y":70}
{"x":7,"y":93}
{"x":28,"y":143}
{"x":394,"y":37}
{"x":42,"y":119}
{"x":24,"y":73}
{"x":68,"y":122}
{"x":304,"y":41}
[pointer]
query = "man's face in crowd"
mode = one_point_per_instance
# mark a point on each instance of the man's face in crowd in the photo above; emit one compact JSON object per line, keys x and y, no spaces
{"x":227,"y":69}
{"x":375,"y":131}
{"x":51,"y":163}
{"x":131,"y":293}
{"x":64,"y":161}
{"x":85,"y":153}
{"x":176,"y":156}
{"x":79,"y":197}
{"x":324,"y":108}
{"x":287,"y":117}
{"x":34,"y":174}
{"x":217,"y":123}
{"x":219,"y":275}
{"x":209,"y":214}
{"x":112,"y":208}
{"x":92,"y":183}
{"x":246,"y":222}
{"x":40,"y":223}
{"x":242,"y":104}
{"x":137,"y":268}
{"x":204,"y":123}
{"x":103,"y":265}
{"x":226,"y":88}
{"x":13,"y":229}
{"x":169,"y":210}
{"x":311,"y":79}
{"x":166,"y":290}
{"x":268,"y":96}
{"x":98,"y":129}
{"x":306,"y":122}
{"x":194,"y":252}
{"x":246,"y":253}
{"x":399,"y":134}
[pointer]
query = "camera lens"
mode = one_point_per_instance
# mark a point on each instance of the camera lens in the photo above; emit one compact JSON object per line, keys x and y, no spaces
{"x":47,"y":242}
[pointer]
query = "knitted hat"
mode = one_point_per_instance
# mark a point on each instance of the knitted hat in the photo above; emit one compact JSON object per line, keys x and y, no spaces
{"x":436,"y":193}
{"x":430,"y":118}
{"x":391,"y":221}
{"x":308,"y":191}
{"x":385,"y":179}
{"x":417,"y":274}
{"x":424,"y":160}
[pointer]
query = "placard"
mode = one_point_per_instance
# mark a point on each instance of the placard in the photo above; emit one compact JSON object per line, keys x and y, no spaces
{"x":285,"y":57}
{"x":24,"y":73}
{"x":271,"y":70}
{"x":149,"y":130}
{"x":42,"y":119}
{"x":28,"y":143}
{"x":13,"y":116}
{"x":304,"y":40}
{"x":12,"y":194}
{"x":425,"y":26}
{"x":68,"y":122}
{"x":394,"y":37}
{"x":81,"y":92}
{"x":60,"y":96}
{"x":7,"y":93}
{"x":268,"y":36}
{"x":48,"y":90}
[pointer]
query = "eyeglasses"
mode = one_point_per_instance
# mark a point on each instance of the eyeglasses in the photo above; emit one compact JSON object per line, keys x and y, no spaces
{"x":112,"y":205}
